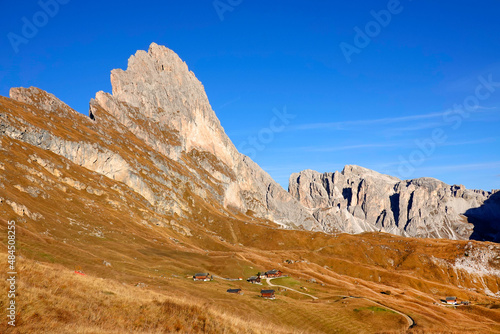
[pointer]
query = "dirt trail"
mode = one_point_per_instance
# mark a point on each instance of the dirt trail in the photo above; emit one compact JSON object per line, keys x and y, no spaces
{"x":226,"y":278}
{"x":409,"y":319}
{"x":285,"y":287}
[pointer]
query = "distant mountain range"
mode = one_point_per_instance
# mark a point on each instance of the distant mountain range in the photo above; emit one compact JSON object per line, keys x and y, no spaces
{"x":158,"y":135}
{"x":117,"y":211}
{"x":358,"y":200}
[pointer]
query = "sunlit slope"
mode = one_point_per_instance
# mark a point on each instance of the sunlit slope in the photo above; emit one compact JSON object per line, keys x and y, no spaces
{"x":69,"y":218}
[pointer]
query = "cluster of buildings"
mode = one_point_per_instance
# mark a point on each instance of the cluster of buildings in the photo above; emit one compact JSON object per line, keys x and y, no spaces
{"x":202,"y":277}
{"x":451,"y":300}
{"x":268,"y":294}
{"x":454,"y":301}
{"x":268,"y":274}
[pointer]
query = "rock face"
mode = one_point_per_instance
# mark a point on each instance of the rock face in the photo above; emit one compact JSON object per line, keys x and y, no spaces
{"x":157,"y":134}
{"x":358,"y":200}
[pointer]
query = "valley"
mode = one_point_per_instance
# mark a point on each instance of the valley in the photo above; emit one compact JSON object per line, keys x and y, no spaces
{"x":116,"y":212}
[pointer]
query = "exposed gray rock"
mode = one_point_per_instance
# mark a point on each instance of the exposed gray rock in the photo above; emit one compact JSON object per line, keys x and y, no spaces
{"x":158,"y":134}
{"x":157,"y":89}
{"x":358,"y":200}
{"x":86,"y":154}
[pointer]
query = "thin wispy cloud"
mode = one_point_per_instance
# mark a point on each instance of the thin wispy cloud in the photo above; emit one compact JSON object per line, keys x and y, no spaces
{"x":388,"y":165}
{"x":485,"y":108}
{"x":229,"y":103}
{"x":395,"y":144}
{"x":348,"y":147}
{"x":416,"y":127}
{"x":296,"y":168}
{"x":387,"y":120}
{"x":470,"y":142}
{"x":345,"y":125}
{"x":467,"y":83}
{"x":462,"y":167}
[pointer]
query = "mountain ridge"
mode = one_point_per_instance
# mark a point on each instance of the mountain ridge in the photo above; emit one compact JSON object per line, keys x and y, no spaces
{"x":118,"y":210}
{"x":157,"y":133}
{"x":160,"y":108}
{"x":358,"y":199}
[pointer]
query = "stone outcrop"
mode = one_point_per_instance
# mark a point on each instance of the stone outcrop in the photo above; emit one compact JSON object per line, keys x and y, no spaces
{"x":157,"y":134}
{"x":358,"y":200}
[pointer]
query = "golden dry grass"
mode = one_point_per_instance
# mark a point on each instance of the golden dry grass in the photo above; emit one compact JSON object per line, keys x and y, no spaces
{"x":53,"y":299}
{"x":78,"y":228}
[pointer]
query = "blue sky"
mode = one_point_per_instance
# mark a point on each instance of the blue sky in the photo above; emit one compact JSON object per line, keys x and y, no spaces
{"x":417,"y":96}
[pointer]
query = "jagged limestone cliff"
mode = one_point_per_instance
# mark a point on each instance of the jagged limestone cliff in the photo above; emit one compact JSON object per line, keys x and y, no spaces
{"x":158,"y":134}
{"x":358,"y":200}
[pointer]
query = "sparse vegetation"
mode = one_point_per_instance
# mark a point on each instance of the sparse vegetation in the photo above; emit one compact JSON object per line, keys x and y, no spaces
{"x":76,"y":218}
{"x":52,"y":298}
{"x":373,"y":308}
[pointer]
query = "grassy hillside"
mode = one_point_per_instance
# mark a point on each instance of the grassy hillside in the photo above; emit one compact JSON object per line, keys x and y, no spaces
{"x":137,"y":264}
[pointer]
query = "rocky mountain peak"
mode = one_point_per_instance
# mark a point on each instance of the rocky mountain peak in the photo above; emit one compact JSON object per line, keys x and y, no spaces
{"x":159,"y":78}
{"x":358,"y":171}
{"x":158,"y":135}
{"x":159,"y":100}
{"x":359,"y":199}
{"x":164,"y":104}
{"x":40,"y":99}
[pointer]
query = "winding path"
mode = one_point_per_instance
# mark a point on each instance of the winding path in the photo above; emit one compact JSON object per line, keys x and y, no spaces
{"x":285,"y":287}
{"x":226,"y":279}
{"x":409,"y":319}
